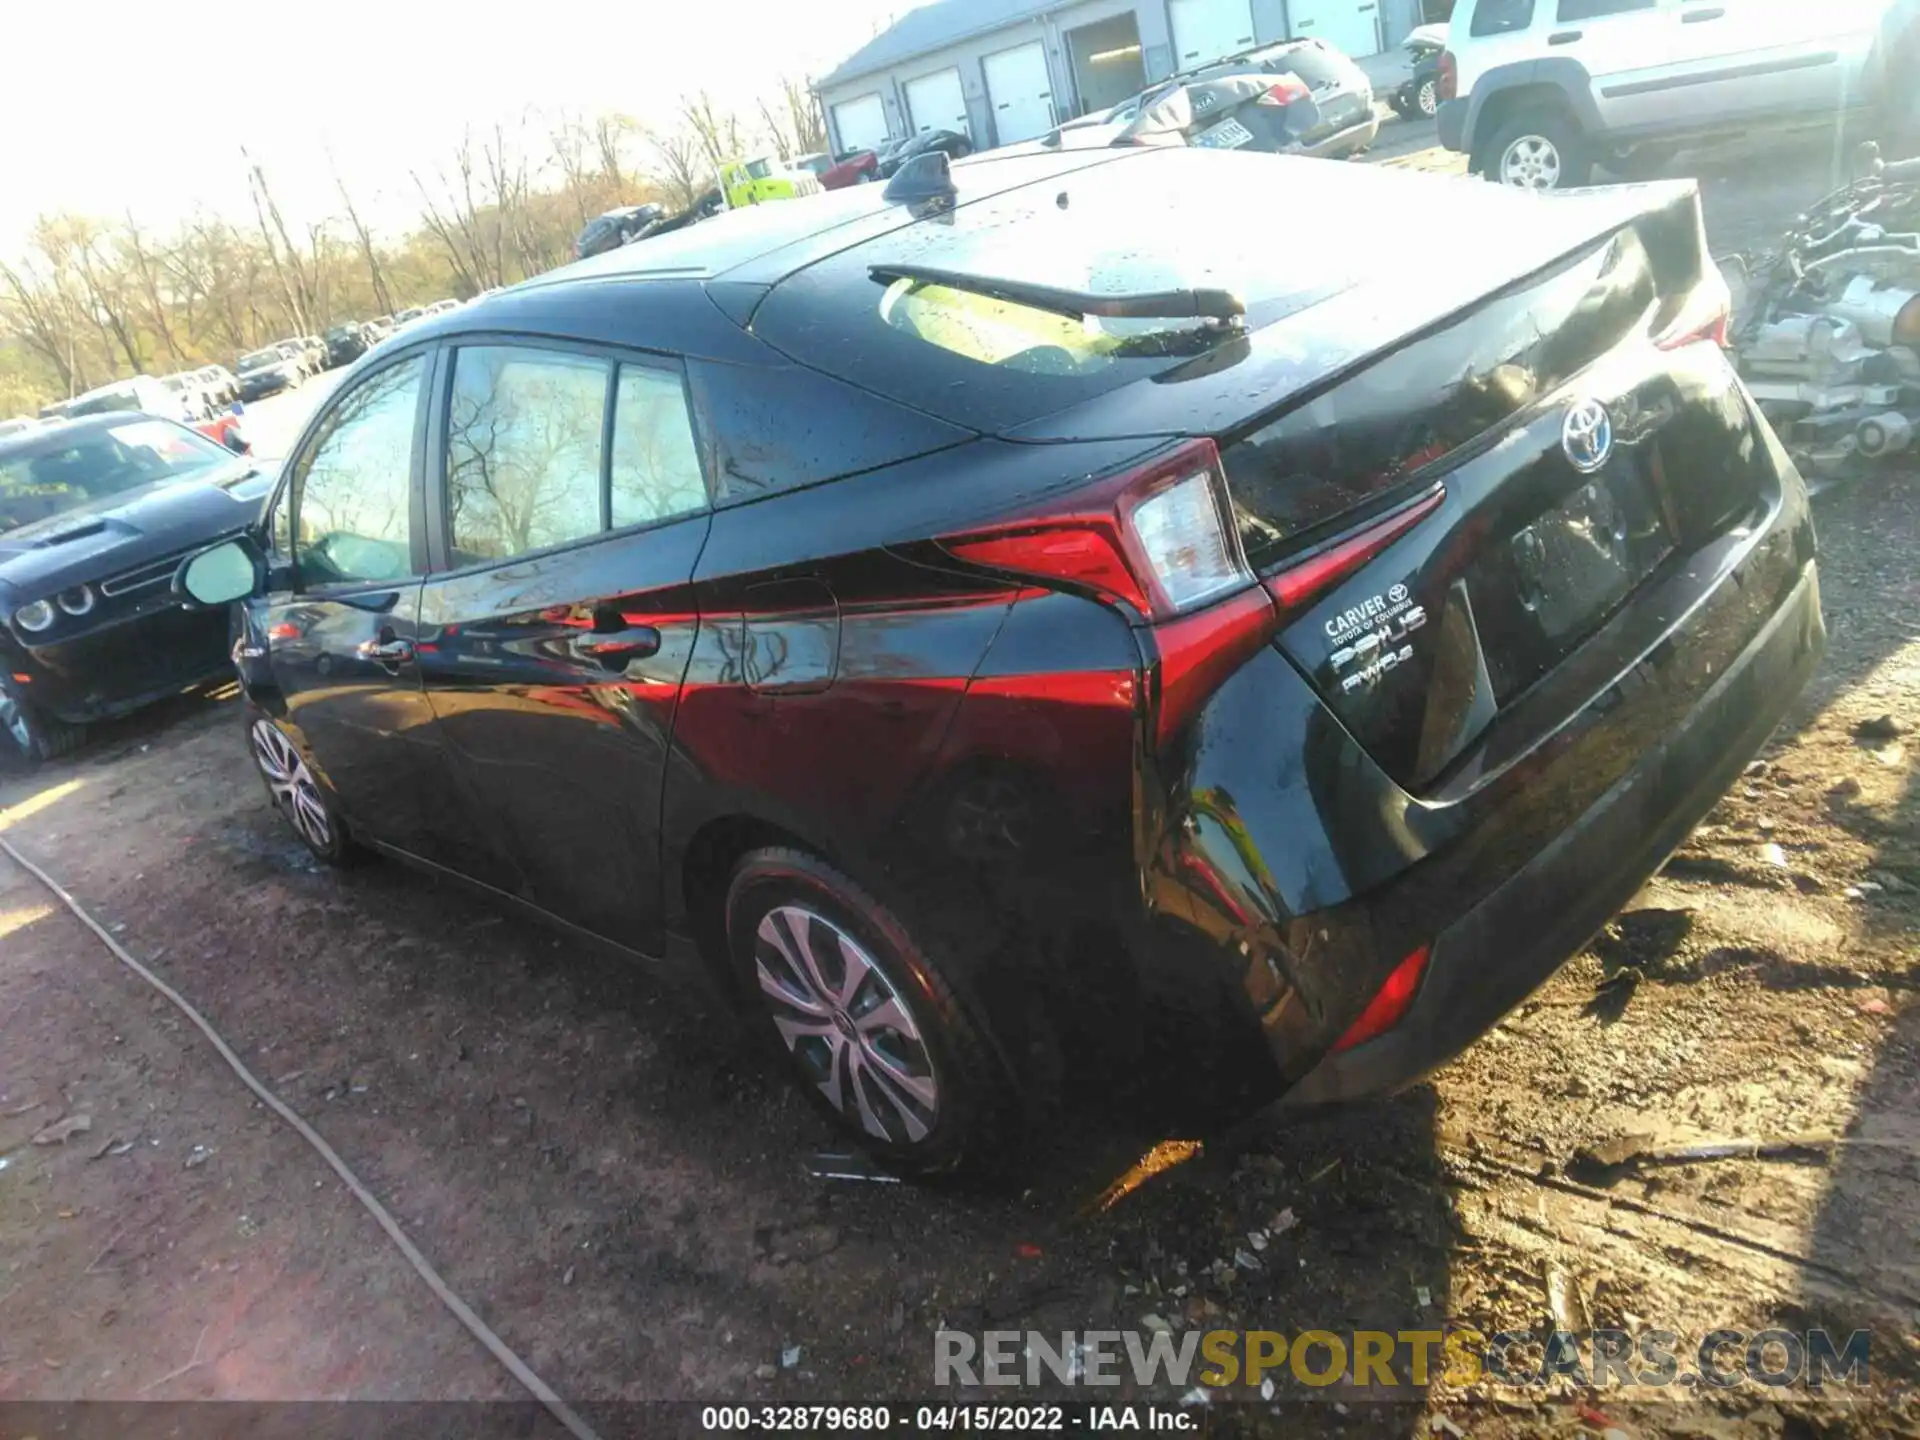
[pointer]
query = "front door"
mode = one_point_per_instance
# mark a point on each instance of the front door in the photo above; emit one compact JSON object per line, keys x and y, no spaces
{"x":341,"y":623}
{"x":553,"y":647}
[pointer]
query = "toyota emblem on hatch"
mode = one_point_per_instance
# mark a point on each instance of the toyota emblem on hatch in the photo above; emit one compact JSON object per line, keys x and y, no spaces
{"x":1587,"y":436}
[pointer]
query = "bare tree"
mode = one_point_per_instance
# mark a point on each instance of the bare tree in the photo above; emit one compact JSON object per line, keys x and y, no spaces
{"x":682,"y":172}
{"x":717,"y":133}
{"x":381,"y":299}
{"x":287,"y":268}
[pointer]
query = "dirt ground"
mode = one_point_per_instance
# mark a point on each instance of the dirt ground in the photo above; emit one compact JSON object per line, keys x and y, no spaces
{"x":603,"y":1171}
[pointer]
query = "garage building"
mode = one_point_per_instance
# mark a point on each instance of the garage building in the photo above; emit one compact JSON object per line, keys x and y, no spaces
{"x":1003,"y":71}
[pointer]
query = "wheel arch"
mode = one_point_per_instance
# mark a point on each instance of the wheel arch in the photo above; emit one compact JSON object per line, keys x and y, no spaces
{"x":1506,"y":89}
{"x":698,"y":901}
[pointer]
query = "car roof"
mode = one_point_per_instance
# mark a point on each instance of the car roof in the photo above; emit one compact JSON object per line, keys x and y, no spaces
{"x":765,"y":243}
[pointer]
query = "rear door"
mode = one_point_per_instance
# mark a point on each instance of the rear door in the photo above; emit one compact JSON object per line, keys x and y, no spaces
{"x":1760,"y":57}
{"x":341,"y":624}
{"x":569,"y":510}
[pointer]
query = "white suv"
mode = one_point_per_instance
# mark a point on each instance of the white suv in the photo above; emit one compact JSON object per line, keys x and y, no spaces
{"x":1538,"y":91}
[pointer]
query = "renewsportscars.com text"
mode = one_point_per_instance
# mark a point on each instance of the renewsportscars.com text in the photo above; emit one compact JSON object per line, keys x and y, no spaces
{"x":1394,"y":1360}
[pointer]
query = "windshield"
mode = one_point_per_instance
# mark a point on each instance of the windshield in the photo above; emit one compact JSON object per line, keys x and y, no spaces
{"x":51,"y":475}
{"x":340,"y":332}
{"x":260,"y":359}
{"x":759,"y":169}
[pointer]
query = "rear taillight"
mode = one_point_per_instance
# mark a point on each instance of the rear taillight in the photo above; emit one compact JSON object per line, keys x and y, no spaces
{"x":1300,"y":584}
{"x":1160,"y":540}
{"x":1448,"y":76}
{"x":1704,"y":314}
{"x":1389,"y":1004}
{"x":1285,"y":90}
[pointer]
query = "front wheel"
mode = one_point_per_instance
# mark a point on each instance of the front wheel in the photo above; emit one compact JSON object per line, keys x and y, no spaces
{"x":300,"y":796}
{"x":1427,"y":98}
{"x":29,"y":738}
{"x":1538,"y":150}
{"x":874,"y":1027}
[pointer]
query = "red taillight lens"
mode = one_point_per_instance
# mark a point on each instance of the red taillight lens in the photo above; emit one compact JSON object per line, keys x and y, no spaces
{"x":1160,"y":539}
{"x":1705,"y":314}
{"x":1389,"y":1005}
{"x":1284,"y":91}
{"x":1448,"y":74}
{"x":1298,"y":586}
{"x":1086,"y":557}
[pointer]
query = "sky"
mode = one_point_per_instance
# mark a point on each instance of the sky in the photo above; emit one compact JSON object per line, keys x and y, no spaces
{"x":123,"y":105}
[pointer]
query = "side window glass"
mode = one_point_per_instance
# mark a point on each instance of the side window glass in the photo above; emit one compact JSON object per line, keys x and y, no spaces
{"x":656,"y":465}
{"x":353,"y":491}
{"x":1501,"y":17}
{"x":1596,"y":9}
{"x":524,"y":436}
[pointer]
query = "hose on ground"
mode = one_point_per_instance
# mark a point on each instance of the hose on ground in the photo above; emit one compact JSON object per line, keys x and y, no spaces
{"x":462,"y":1312}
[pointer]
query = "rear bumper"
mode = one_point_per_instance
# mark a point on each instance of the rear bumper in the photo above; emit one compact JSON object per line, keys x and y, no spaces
{"x":1285,"y":875}
{"x":1451,"y":119}
{"x":1494,"y":956}
{"x":1350,"y":141}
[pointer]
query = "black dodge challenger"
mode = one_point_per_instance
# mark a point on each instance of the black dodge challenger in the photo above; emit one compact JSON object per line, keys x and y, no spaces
{"x":95,"y":514}
{"x":984,"y":613}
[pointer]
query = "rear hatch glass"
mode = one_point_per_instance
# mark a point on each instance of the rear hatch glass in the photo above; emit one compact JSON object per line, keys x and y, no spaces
{"x":993,"y":365}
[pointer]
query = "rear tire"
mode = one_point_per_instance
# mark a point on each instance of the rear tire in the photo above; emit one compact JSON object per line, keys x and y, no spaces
{"x":297,"y":792}
{"x":879,"y":1034}
{"x":29,"y":737}
{"x":1426,"y":100}
{"x":1538,"y":149}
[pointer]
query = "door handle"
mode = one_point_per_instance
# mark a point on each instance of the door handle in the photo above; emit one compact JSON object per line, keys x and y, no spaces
{"x":1694,"y":17}
{"x":1565,"y":37}
{"x":387,"y":650}
{"x":614,"y":648}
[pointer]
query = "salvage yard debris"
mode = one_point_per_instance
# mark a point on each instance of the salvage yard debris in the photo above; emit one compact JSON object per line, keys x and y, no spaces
{"x":63,"y":1130}
{"x":1828,"y":334}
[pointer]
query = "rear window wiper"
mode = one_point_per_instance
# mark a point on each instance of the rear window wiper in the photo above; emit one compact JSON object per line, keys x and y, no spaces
{"x":1200,"y":304}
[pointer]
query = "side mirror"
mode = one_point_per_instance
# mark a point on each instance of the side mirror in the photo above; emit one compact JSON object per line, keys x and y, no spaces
{"x":228,"y":572}
{"x":237,"y":442}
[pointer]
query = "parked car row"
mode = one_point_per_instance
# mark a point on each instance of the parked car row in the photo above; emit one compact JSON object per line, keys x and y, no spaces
{"x":1102,"y":660}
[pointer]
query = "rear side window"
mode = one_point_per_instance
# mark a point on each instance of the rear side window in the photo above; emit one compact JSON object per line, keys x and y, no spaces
{"x":535,"y":459}
{"x":1597,"y":9}
{"x":524,"y":436}
{"x":1501,"y":17}
{"x":656,"y":466}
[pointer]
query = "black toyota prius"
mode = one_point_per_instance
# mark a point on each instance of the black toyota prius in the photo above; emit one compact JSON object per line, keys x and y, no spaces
{"x":969,"y":616}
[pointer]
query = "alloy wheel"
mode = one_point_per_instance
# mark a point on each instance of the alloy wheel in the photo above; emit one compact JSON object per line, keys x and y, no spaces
{"x":1428,"y":99}
{"x":292,"y":783}
{"x":1531,"y":162}
{"x":846,"y":1026}
{"x":13,"y":719}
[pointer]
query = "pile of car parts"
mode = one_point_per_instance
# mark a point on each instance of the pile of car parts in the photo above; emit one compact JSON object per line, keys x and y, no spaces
{"x":1827,"y":335}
